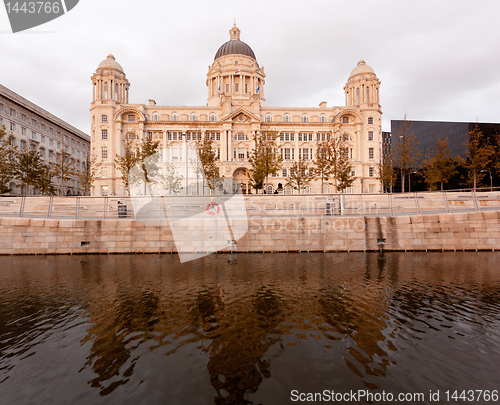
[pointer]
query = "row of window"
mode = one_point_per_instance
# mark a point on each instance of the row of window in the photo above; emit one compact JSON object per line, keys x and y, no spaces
{"x":212,"y":117}
{"x":34,"y":123}
{"x":305,"y":118}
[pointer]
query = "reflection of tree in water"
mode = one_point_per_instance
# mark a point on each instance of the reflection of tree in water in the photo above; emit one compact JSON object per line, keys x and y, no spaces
{"x":238,"y":342}
{"x":355,"y":312}
{"x":118,"y":332}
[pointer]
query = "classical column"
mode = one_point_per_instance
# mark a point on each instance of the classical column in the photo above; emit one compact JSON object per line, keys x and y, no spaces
{"x":230,"y":145}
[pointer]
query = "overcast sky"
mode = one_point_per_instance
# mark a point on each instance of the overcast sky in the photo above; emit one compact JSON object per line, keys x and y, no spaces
{"x":437,"y":60}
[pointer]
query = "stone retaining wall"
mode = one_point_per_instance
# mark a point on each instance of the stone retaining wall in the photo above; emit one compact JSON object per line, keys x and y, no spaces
{"x":456,"y":231}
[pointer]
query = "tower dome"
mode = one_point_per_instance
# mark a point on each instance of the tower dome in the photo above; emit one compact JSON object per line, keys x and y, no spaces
{"x":362,"y":68}
{"x":234,"y":46}
{"x":110,"y":63}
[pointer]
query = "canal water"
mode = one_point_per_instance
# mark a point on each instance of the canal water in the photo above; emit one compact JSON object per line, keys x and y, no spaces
{"x":263,"y":329}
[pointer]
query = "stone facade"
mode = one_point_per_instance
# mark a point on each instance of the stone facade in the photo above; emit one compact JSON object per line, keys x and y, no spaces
{"x":448,"y":232}
{"x":39,"y":130}
{"x":235,"y":113}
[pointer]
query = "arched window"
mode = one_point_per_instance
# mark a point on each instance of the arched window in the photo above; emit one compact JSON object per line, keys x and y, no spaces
{"x":212,"y":117}
{"x":288,"y":190}
{"x":326,"y":189}
{"x":194,"y":117}
{"x":286,"y":118}
{"x":268,"y":118}
{"x":322,"y":118}
{"x":306,"y":189}
{"x":270,"y":189}
{"x":305,"y":118}
{"x":174,"y":117}
{"x":347,"y":137}
{"x":156,"y":116}
{"x":241,"y":137}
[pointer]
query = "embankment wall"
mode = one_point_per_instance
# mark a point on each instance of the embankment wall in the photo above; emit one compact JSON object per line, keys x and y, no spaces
{"x":454,"y":231}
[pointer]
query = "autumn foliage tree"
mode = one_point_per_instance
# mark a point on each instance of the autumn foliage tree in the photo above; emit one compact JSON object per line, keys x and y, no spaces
{"x":480,"y":153}
{"x":7,"y":160}
{"x":299,"y":175}
{"x":405,"y":153}
{"x":264,"y":159}
{"x":441,"y":166}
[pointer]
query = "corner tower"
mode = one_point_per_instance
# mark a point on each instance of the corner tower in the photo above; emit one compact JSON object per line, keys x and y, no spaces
{"x":235,"y":79}
{"x":362,"y":87}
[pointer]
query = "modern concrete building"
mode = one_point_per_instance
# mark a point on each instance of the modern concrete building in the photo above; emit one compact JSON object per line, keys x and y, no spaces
{"x":235,"y":113}
{"x":39,"y":130}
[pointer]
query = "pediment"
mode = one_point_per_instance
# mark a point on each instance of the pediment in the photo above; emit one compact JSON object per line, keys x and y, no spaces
{"x":241,"y":116}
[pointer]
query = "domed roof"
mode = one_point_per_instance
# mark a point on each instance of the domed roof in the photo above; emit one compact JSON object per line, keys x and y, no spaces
{"x":234,"y":46}
{"x":110,"y":63}
{"x":361,"y":68}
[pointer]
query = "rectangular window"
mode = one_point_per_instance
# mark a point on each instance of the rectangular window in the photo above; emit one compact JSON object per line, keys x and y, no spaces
{"x":370,"y":153}
{"x":51,"y":131}
{"x":370,"y":135}
{"x":282,"y":137}
{"x":318,"y":137}
{"x":345,"y":120}
{"x":42,"y":152}
{"x":292,"y":136}
{"x":58,"y":145}
{"x":300,"y":136}
{"x":65,"y":138}
{"x":104,"y":153}
{"x":51,"y":142}
{"x":104,"y":191}
{"x":284,"y":174}
{"x":217,"y":136}
{"x":23,"y":118}
{"x":131,"y":118}
{"x":371,"y":188}
{"x":12,"y":112}
{"x":33,"y":122}
{"x":234,"y":154}
{"x":370,"y":172}
{"x":42,"y":139}
{"x":305,"y":153}
{"x":12,"y":126}
{"x":370,"y":121}
{"x":287,"y":136}
{"x":104,"y":172}
{"x":104,"y":134}
{"x":23,"y":131}
{"x":104,"y":118}
{"x":287,"y":153}
{"x":42,"y":127}
{"x":227,"y":88}
{"x":51,"y":154}
{"x":33,"y":135}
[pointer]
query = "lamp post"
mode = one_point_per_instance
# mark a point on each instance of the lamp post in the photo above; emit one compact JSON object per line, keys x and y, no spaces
{"x":186,"y":158}
{"x":491,"y":178}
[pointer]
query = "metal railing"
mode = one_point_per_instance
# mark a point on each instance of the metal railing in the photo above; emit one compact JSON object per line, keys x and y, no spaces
{"x":272,"y":205}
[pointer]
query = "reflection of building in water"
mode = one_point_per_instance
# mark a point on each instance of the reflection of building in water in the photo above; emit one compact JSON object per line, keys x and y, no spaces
{"x":235,"y":113}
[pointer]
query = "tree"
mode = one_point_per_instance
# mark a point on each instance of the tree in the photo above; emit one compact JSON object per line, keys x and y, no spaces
{"x":88,"y":173}
{"x":172,"y":180}
{"x":30,"y":169}
{"x":44,"y":183}
{"x":126,"y":162}
{"x":264,"y":159}
{"x":479,"y":155}
{"x":63,"y":168}
{"x":299,"y":175}
{"x":7,"y":160}
{"x":208,"y":160}
{"x":341,"y":167}
{"x":323,"y":162}
{"x":440,"y":167}
{"x":148,"y":159}
{"x":386,"y":173}
{"x":405,"y":155}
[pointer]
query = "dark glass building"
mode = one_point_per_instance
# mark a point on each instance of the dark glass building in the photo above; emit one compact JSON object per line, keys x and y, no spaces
{"x":427,"y":134}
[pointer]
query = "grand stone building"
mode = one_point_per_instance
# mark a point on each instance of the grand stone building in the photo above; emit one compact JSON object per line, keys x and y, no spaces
{"x":234,"y":114}
{"x":38,"y":130}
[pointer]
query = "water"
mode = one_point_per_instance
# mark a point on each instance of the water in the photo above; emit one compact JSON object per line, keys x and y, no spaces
{"x":147,"y":329}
